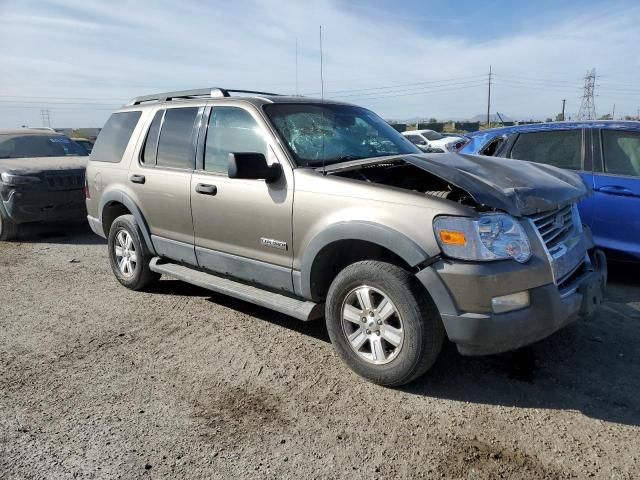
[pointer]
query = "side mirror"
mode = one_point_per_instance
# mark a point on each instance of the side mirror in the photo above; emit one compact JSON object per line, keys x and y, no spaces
{"x":253,"y":166}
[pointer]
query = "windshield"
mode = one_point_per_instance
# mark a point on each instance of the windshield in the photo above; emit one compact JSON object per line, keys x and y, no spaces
{"x":318,"y":134}
{"x":431,"y":135}
{"x":25,"y":146}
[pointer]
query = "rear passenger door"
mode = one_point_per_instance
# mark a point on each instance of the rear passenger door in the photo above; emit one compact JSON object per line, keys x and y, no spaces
{"x":559,"y":148}
{"x":617,"y":191}
{"x":242,"y":227}
{"x":161,"y":180}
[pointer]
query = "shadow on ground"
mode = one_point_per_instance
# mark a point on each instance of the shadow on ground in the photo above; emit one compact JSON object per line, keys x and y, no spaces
{"x":71,"y":234}
{"x":592,"y":366}
{"x":315,"y":329}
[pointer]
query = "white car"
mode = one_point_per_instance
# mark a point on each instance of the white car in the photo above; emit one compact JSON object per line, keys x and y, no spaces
{"x":432,"y":141}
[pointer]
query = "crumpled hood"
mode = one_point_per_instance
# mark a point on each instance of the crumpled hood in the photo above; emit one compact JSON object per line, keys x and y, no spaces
{"x":515,"y":186}
{"x":35,"y":165}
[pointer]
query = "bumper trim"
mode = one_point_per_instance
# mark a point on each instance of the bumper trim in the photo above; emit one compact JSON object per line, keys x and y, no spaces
{"x":549,"y":311}
{"x":96,"y":226}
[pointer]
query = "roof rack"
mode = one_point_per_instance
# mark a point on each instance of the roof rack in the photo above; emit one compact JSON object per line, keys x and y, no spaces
{"x":213,"y":92}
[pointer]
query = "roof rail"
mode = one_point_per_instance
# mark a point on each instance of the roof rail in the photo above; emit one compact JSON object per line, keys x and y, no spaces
{"x":213,"y":92}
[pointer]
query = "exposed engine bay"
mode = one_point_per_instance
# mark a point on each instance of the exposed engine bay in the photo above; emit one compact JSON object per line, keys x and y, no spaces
{"x":483,"y":183}
{"x":397,"y":173}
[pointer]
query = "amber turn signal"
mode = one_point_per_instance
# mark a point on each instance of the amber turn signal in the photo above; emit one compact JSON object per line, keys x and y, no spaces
{"x":449,"y":237}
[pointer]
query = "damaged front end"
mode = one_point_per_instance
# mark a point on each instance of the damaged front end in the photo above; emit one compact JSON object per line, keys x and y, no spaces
{"x":484,"y":183}
{"x":516,"y":268}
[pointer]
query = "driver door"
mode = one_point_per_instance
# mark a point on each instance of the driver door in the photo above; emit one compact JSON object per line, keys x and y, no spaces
{"x":242,"y":227}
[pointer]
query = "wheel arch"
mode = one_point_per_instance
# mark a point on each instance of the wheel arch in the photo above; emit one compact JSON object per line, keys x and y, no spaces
{"x":115,"y":203}
{"x":344,"y":243}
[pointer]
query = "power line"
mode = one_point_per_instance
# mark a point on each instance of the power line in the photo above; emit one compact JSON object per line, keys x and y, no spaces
{"x":442,"y":89}
{"x":399,"y":85}
{"x":410,"y":90}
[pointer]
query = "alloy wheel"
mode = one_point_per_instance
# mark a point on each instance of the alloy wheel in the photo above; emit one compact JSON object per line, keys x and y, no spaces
{"x":372,"y":324}
{"x":125,"y":253}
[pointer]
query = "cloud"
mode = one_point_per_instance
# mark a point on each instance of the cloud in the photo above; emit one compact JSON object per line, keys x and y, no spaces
{"x":120,"y":49}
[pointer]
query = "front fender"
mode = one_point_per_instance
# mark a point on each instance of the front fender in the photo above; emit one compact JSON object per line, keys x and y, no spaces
{"x":386,"y":237}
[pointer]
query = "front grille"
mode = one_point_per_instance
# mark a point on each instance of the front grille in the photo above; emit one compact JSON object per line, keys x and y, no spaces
{"x":65,"y":181}
{"x":561,"y":232}
{"x":554,"y":227}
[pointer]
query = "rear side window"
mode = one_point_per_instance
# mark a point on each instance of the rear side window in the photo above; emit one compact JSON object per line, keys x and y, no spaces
{"x":114,"y":137}
{"x":175,"y":145}
{"x":151,"y":143}
{"x":560,"y":148}
{"x":621,"y":152}
{"x":231,"y":130}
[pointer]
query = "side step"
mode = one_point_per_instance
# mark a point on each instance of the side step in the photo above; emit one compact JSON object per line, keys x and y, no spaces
{"x":300,"y":309}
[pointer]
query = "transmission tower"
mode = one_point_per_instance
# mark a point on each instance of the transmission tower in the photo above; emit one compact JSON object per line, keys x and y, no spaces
{"x":46,"y":118}
{"x":588,"y":107}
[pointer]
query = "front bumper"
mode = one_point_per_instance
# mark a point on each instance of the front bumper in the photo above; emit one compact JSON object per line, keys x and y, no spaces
{"x":550,"y":309}
{"x":43,"y":206}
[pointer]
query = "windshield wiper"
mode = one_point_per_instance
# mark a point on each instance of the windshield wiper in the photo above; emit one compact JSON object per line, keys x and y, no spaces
{"x":346,"y":158}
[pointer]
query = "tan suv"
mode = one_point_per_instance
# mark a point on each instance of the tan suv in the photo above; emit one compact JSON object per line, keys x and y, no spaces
{"x":318,"y":208}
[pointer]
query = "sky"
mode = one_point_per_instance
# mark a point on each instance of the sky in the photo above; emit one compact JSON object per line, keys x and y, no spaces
{"x":82,"y":59}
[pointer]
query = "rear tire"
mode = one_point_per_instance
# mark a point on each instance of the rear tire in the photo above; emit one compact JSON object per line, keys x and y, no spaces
{"x":8,"y":228}
{"x":128,"y":254}
{"x":396,"y":337}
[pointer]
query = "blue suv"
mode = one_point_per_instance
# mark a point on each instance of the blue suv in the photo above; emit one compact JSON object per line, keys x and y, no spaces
{"x":606,"y":154}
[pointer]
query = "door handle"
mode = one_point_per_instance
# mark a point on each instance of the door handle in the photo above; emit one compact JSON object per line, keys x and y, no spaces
{"x":137,"y":178}
{"x":205,"y":189}
{"x":616,"y":190}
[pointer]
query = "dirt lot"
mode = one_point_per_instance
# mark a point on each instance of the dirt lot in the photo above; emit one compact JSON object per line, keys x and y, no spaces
{"x":100,"y":382}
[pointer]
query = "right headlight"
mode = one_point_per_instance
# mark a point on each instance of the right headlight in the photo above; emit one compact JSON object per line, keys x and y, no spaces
{"x":494,"y":236}
{"x":17,"y":179}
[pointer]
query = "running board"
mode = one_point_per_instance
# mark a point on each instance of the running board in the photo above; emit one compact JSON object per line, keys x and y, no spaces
{"x":300,"y":309}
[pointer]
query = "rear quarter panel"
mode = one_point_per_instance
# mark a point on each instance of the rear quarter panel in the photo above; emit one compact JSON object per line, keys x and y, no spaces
{"x":104,"y":177}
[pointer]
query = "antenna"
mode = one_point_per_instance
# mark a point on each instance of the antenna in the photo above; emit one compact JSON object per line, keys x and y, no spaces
{"x":324,"y":171}
{"x":297,"y":93}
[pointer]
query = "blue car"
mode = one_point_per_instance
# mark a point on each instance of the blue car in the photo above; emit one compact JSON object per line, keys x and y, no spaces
{"x":606,"y":154}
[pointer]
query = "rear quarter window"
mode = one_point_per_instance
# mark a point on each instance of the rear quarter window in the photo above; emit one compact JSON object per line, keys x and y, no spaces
{"x":114,"y":137}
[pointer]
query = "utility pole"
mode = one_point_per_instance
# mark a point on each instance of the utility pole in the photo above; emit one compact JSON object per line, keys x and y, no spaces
{"x":489,"y":101}
{"x":613,"y":113}
{"x":564,"y":101}
{"x":587,"y":107}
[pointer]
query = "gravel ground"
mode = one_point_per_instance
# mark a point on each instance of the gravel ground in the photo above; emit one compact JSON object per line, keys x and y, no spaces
{"x":100,"y":382}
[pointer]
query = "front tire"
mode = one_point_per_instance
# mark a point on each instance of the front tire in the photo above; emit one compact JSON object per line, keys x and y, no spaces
{"x":128,"y":254}
{"x":382,"y":324}
{"x":8,"y":228}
